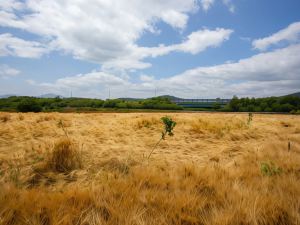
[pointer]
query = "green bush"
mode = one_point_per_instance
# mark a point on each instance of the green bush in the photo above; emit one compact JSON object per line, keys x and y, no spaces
{"x":29,"y":105}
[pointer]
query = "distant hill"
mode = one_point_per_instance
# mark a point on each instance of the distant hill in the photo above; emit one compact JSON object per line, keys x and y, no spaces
{"x":170,"y":97}
{"x":7,"y":96}
{"x":50,"y":95}
{"x":131,"y":99}
{"x":295,"y":94}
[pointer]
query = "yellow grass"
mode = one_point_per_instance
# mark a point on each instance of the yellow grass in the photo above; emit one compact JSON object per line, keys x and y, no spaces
{"x":93,"y":169}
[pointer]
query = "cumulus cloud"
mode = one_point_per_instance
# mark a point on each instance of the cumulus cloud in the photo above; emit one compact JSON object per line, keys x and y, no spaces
{"x":195,"y":43}
{"x":7,"y":71}
{"x":200,"y":40}
{"x":175,"y":19}
{"x":13,"y":46}
{"x":101,"y":31}
{"x":272,"y":73}
{"x":290,"y":34}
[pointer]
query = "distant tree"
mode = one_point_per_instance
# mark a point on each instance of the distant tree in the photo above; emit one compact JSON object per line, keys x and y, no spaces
{"x":276,"y":107}
{"x":286,"y":107}
{"x":29,"y":105}
{"x":216,"y":106}
{"x":234,"y":104}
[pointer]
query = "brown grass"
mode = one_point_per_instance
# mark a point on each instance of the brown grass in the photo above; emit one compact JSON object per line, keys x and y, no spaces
{"x":4,"y":117}
{"x":65,"y":156}
{"x":209,"y":172}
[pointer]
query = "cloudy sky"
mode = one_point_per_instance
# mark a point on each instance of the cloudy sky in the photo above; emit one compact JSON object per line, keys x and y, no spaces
{"x":136,"y":48}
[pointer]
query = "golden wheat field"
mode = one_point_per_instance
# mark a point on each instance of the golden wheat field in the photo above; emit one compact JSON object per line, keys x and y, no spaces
{"x":94,"y":168}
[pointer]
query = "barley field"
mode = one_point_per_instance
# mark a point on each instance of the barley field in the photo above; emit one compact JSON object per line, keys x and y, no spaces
{"x":217,"y":168}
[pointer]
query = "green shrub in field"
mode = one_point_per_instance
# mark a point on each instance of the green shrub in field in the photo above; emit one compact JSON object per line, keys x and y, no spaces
{"x":269,"y":169}
{"x":169,"y":125}
{"x":29,"y":105}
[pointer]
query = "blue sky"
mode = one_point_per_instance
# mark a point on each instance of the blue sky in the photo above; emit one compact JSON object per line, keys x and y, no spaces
{"x":204,"y":48}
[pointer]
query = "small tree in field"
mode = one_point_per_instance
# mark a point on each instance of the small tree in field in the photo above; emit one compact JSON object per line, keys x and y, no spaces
{"x":169,"y":125}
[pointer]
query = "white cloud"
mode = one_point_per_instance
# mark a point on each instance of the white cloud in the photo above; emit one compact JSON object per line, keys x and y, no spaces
{"x":101,"y":31}
{"x":200,"y":40}
{"x":7,"y":71}
{"x":89,"y":80}
{"x":207,"y":4}
{"x":146,"y":78}
{"x":265,"y":74}
{"x":291,"y":34}
{"x":195,"y":43}
{"x":10,"y":5}
{"x":175,"y":19}
{"x":13,"y":46}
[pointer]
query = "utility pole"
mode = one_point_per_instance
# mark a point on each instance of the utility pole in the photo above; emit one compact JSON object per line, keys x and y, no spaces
{"x":108,"y":93}
{"x":71,"y":93}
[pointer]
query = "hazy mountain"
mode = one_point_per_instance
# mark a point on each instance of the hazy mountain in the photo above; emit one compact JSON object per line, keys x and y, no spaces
{"x":170,"y":97}
{"x":50,"y":95}
{"x":295,"y":94}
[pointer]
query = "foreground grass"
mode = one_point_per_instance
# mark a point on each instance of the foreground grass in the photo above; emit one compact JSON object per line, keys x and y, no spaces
{"x":216,"y":175}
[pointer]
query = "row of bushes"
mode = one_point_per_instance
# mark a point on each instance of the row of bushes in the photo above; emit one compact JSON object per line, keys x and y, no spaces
{"x":31,"y":104}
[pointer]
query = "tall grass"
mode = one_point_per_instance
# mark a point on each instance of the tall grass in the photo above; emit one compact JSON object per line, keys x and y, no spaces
{"x":65,"y":156}
{"x":160,"y":195}
{"x":4,"y":117}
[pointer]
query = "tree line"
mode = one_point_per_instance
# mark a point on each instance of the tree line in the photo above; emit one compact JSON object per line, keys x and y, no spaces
{"x":32,"y":104}
{"x":288,"y":104}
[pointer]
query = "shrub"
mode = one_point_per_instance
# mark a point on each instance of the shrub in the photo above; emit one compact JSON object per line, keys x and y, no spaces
{"x":29,"y":105}
{"x":111,"y":103}
{"x":65,"y":156}
{"x":169,"y":125}
{"x":216,"y":106}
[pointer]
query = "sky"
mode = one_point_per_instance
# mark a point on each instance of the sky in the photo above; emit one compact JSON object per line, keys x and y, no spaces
{"x":118,"y":48}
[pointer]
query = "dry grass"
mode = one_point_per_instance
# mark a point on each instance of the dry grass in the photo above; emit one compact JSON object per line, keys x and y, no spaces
{"x":65,"y":156}
{"x":4,"y":117}
{"x":210,"y":172}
